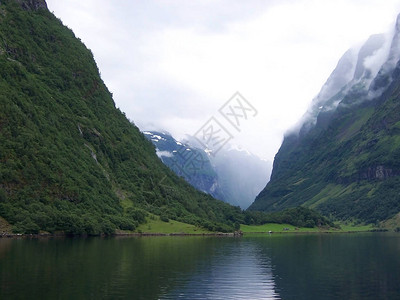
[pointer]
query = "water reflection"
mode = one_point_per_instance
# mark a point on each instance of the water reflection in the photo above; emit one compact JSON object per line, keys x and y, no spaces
{"x":235,"y":271}
{"x":335,"y":266}
{"x":338,"y":266}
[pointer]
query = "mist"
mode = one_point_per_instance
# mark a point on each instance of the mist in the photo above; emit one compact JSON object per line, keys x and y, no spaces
{"x":172,"y":65}
{"x":357,"y":72}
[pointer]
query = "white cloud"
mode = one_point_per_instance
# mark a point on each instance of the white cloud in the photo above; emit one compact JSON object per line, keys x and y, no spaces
{"x":172,"y":64}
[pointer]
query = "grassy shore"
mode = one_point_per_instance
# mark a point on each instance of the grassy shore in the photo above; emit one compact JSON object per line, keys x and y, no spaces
{"x":273,"y":227}
{"x":155,"y":225}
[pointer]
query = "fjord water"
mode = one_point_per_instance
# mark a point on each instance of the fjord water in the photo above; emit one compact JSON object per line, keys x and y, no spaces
{"x":318,"y":266}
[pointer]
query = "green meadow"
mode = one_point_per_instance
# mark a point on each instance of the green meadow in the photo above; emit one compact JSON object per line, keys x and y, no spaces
{"x":155,"y":225}
{"x":274,"y":227}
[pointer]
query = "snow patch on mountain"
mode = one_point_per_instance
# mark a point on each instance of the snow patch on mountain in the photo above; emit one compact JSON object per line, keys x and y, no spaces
{"x":161,"y":154}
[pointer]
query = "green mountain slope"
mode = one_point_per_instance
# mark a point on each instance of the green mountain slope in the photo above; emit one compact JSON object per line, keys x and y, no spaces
{"x":69,"y":159}
{"x":348,"y":164}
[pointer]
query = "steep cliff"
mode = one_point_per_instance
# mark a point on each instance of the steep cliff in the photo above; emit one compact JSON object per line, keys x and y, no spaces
{"x":344,"y":158}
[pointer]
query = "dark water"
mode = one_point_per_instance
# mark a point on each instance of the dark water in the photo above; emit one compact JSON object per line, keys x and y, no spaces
{"x":327,"y":266}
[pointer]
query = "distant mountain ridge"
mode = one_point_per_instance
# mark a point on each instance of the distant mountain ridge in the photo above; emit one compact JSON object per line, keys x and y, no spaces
{"x":231,"y":175}
{"x":344,"y":157}
{"x":191,"y":163}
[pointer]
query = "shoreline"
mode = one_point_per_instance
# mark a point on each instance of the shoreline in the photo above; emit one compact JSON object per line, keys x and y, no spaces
{"x":118,"y":234}
{"x":181,"y":234}
{"x":317,"y":232}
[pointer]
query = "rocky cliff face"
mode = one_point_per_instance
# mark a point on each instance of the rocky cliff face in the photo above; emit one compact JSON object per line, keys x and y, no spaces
{"x":378,"y":173}
{"x":345,"y":157}
{"x":32,"y":4}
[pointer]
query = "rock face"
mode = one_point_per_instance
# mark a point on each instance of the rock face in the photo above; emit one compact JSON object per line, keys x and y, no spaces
{"x":344,"y":158}
{"x":378,"y":173}
{"x":32,"y":4}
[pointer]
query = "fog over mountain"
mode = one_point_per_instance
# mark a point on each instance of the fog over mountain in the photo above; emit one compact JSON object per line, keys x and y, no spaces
{"x":242,"y":175}
{"x":361,"y":73}
{"x":344,"y":158}
{"x":172,"y":64}
{"x":233,"y":175}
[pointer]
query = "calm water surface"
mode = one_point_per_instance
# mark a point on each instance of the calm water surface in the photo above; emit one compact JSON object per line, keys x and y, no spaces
{"x":326,"y":266}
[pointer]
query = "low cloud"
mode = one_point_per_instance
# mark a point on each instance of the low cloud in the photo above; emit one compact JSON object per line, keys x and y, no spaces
{"x":172,"y":64}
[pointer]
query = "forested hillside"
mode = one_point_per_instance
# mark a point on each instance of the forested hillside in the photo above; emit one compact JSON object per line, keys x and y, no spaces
{"x":70,"y":160}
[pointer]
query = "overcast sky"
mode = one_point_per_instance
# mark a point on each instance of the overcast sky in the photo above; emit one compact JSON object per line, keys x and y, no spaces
{"x":172,"y":64}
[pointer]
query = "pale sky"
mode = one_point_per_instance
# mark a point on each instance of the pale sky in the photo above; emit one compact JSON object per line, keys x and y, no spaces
{"x":172,"y":64}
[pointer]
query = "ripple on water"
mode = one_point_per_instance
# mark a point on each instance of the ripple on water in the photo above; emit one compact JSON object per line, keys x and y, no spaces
{"x":235,"y":273}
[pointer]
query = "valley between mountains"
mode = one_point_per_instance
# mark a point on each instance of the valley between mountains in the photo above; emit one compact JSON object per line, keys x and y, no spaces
{"x":73,"y":164}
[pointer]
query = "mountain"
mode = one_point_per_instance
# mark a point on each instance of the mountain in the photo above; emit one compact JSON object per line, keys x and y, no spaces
{"x":70,"y":160}
{"x":232,"y":175}
{"x":344,"y":157}
{"x":191,"y":163}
